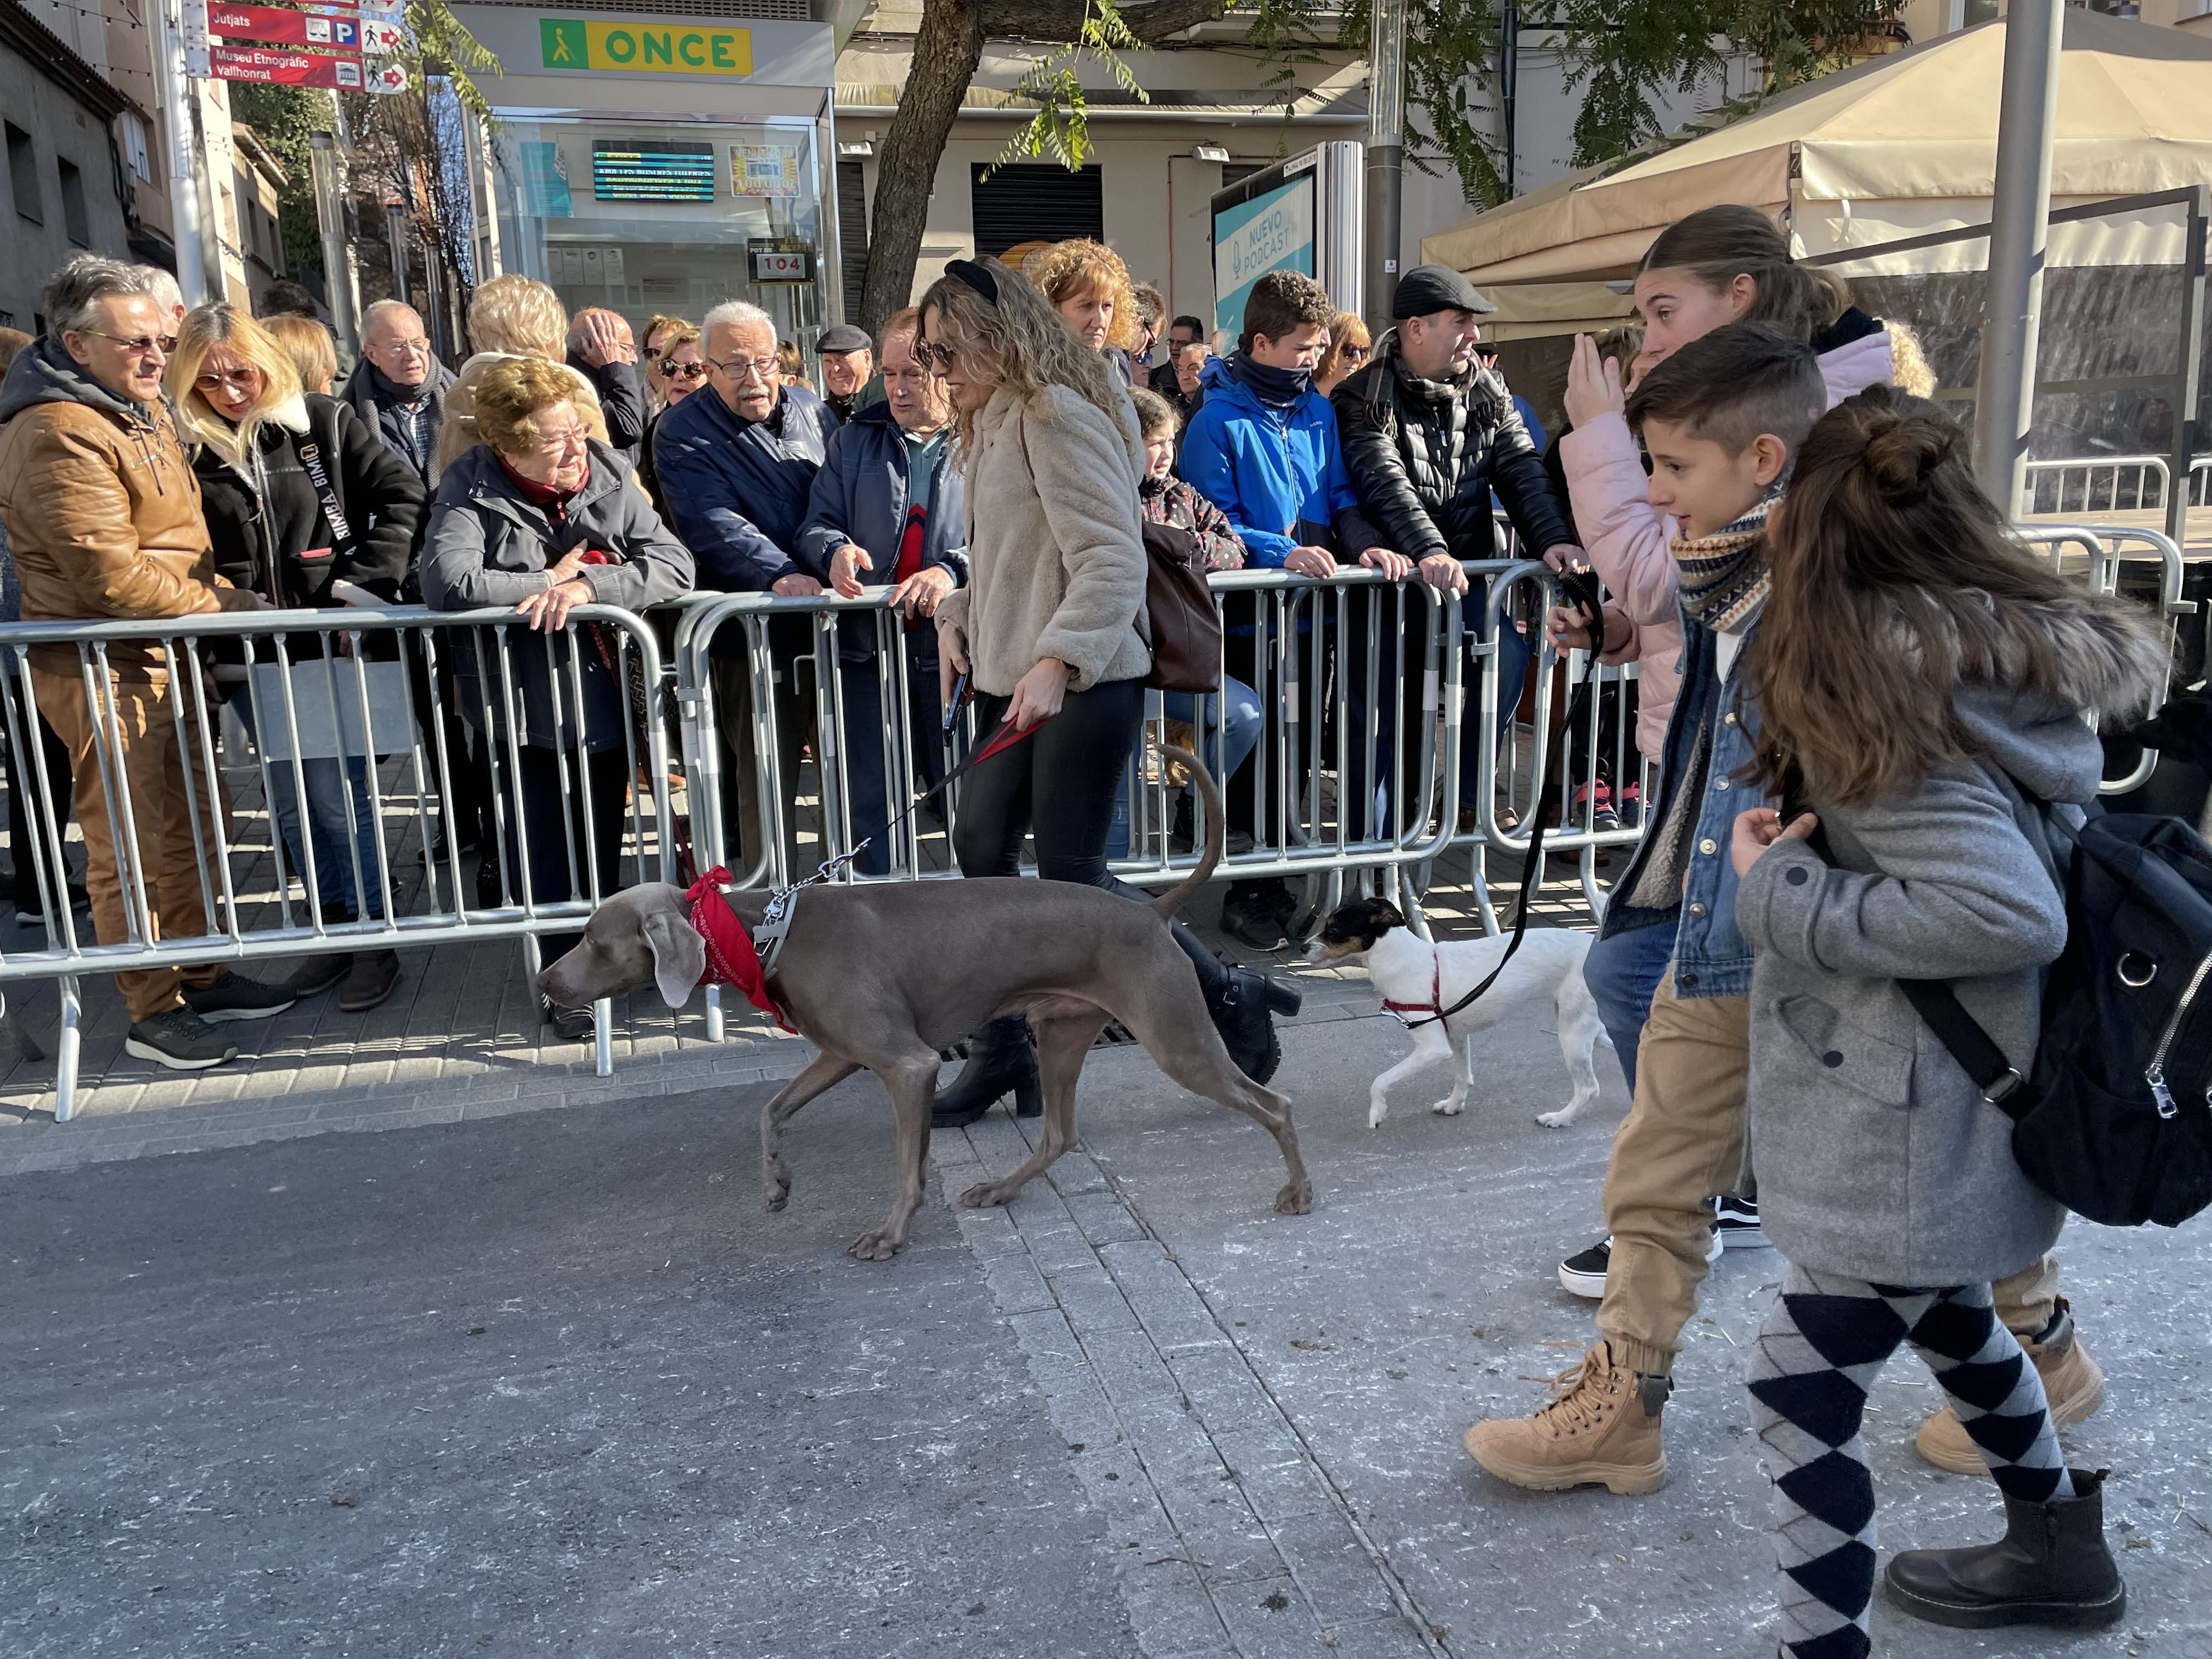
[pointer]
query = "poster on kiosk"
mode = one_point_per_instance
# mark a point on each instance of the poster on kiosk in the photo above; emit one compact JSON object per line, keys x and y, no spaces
{"x":1308,"y":214}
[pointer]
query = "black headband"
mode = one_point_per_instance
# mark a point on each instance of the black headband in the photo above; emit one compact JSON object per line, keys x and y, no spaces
{"x":975,"y":276}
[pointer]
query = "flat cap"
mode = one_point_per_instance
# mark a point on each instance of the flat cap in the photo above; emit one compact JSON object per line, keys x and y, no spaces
{"x":1428,"y":288}
{"x":843,"y":336}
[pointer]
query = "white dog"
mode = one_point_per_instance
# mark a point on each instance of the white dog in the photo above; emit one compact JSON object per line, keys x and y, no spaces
{"x":1417,"y":980}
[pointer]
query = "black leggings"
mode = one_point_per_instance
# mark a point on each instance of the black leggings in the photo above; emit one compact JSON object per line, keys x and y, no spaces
{"x":1057,"y":785}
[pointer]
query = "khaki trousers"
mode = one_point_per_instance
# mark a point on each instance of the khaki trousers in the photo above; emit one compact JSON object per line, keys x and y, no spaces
{"x":148,"y":750}
{"x":1683,"y":1143}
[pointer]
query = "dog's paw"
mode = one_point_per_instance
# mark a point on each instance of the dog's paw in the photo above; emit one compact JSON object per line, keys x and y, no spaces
{"x":1449,"y":1106}
{"x":878,"y":1246}
{"x":775,"y":1189}
{"x":1376,"y":1114}
{"x":1295,"y":1198}
{"x":1560,"y":1119}
{"x":982,"y":1196}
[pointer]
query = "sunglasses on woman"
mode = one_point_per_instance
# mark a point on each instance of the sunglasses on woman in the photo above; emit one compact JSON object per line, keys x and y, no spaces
{"x":673,"y":370}
{"x":932,"y":356}
{"x":245,"y":379}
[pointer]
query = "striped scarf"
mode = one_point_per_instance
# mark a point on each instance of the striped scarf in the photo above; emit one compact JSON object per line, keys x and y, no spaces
{"x":1724,"y":576}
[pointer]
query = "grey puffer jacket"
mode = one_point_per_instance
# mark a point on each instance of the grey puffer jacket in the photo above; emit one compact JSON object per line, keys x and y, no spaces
{"x":1878,"y":1156}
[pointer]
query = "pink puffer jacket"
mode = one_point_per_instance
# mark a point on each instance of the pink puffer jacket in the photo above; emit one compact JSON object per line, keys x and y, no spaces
{"x":1627,"y":538}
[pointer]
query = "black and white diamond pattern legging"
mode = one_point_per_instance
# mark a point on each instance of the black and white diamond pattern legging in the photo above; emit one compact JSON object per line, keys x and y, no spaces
{"x":1818,"y":1352}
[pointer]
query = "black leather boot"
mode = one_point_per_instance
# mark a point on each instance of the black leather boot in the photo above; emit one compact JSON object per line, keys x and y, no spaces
{"x":2050,"y":1568}
{"x":1240,"y":1002}
{"x":1000,"y":1057}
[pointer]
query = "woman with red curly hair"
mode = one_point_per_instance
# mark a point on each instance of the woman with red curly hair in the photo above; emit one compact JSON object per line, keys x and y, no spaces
{"x":1090,"y":287}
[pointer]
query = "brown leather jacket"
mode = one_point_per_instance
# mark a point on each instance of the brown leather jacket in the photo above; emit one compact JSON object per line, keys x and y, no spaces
{"x":102,"y":508}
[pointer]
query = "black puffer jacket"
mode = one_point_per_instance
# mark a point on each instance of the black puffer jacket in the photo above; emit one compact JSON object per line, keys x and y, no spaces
{"x":272,"y":534}
{"x":1424,"y":457}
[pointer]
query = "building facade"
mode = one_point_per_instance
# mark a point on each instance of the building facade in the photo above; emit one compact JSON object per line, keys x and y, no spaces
{"x":64,"y":184}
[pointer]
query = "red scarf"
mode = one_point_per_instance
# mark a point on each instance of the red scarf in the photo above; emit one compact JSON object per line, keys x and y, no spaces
{"x":730,"y":958}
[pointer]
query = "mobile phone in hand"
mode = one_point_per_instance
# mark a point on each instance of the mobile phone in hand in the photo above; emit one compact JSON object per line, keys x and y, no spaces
{"x":959,"y":702}
{"x":1581,"y":587}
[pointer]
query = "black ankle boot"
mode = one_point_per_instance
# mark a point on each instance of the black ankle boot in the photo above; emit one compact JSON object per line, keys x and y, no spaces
{"x":1240,"y":1001}
{"x":999,"y":1058}
{"x":2050,"y":1568}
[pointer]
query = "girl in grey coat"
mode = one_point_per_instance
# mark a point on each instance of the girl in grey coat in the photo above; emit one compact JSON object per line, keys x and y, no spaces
{"x":1921,"y":682}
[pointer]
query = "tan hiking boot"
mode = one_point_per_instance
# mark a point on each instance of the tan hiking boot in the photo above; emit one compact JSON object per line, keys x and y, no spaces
{"x":2071,"y":1381}
{"x":1603,"y":1425}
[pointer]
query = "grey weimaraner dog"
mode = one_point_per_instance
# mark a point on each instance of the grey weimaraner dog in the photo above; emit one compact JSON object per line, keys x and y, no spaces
{"x":883,"y":975}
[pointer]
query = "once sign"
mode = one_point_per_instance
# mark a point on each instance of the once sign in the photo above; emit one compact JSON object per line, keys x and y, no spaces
{"x":643,"y":48}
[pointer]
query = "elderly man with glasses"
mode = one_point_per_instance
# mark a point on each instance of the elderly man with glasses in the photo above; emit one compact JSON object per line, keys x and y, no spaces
{"x":103,"y":518}
{"x":398,"y":388}
{"x":735,"y":464}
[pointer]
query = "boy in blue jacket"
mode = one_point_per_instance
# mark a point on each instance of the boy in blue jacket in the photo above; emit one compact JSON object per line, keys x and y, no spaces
{"x":1263,"y":447}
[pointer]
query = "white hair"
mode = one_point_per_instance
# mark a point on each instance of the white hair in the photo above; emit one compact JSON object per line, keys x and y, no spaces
{"x":161,"y":287}
{"x":736,"y":313}
{"x":378,"y":309}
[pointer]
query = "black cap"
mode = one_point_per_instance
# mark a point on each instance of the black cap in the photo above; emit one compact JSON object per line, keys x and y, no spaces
{"x":1427,"y":289}
{"x":843,"y":336}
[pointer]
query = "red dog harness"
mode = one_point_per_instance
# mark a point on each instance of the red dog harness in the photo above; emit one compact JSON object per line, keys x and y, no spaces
{"x":730,"y":958}
{"x":1434,"y":1007}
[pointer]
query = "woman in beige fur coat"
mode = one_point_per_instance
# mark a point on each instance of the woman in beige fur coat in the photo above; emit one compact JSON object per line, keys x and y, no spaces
{"x":1050,"y":630}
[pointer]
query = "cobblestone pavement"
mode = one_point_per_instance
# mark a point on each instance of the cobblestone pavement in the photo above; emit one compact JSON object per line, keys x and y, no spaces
{"x":554,"y":1383}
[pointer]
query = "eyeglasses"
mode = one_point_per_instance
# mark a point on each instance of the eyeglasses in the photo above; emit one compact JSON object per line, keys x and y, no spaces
{"x":136,"y":344}
{"x":740,"y":368}
{"x":675,"y":371}
{"x":245,"y":379}
{"x":557,"y":443}
{"x":1354,"y":354}
{"x":418,"y":347}
{"x":932,"y":356}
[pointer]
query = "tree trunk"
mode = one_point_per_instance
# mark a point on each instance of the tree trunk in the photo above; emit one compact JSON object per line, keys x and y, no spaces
{"x":946,"y":50}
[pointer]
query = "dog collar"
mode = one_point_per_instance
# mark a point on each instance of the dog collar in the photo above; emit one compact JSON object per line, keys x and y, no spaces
{"x":732,"y":958}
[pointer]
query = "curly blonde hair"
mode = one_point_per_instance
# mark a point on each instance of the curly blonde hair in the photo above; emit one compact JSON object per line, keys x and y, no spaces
{"x":1070,"y":271}
{"x":1022,"y":338}
{"x":520,"y":316}
{"x":203,"y":330}
{"x":512,"y":396}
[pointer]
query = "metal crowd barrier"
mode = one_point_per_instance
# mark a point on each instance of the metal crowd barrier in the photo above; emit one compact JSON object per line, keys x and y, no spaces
{"x":378,"y":702}
{"x":2051,"y":485}
{"x":750,"y":682}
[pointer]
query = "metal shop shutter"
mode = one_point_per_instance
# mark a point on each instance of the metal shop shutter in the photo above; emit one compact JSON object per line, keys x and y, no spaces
{"x":853,"y":231}
{"x":1036,"y":201}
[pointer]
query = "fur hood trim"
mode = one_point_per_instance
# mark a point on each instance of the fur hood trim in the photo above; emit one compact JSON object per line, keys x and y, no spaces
{"x":2107,"y":657}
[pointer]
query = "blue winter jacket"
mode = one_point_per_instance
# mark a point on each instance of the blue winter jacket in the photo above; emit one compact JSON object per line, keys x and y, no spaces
{"x":738,"y":490}
{"x":1265,"y":470}
{"x":861,"y":495}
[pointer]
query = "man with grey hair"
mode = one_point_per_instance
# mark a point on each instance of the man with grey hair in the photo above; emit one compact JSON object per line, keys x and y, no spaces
{"x":398,"y":388}
{"x":162,"y":285}
{"x":737,"y":463}
{"x":103,"y":518}
{"x":602,"y":348}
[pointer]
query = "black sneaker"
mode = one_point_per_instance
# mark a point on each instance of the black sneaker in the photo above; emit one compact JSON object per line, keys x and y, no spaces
{"x":236,"y":997}
{"x":1736,"y":1221}
{"x":1583,"y":1273}
{"x":179,"y":1040}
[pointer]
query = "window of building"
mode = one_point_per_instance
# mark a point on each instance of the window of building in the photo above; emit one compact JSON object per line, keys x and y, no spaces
{"x":1964,"y":14}
{"x":23,"y":174}
{"x":853,"y":230}
{"x":1036,"y":202}
{"x":75,"y":220}
{"x":134,"y":149}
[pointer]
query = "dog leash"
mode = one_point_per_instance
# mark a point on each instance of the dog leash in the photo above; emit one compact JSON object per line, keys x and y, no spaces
{"x":1531,"y":873}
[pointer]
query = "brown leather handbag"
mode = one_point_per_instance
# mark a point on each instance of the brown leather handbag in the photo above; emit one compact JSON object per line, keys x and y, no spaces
{"x":1185,"y":628}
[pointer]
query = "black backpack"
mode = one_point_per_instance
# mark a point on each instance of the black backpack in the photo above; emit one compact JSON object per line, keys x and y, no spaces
{"x":2116,"y":1121}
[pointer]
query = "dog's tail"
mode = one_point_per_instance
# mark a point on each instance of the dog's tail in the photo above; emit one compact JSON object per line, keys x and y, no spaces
{"x":1209,"y":792}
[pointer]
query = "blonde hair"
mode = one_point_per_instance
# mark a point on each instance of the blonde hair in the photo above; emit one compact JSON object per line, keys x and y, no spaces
{"x":654,"y":324}
{"x":520,"y":316}
{"x":308,"y":344}
{"x":512,"y":395}
{"x":1909,"y":367}
{"x":1069,"y":270}
{"x":680,"y":333}
{"x":1344,"y":329}
{"x":1027,"y":342}
{"x":200,"y":332}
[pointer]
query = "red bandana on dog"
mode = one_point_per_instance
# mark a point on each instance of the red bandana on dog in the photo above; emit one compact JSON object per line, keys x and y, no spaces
{"x":730,"y":958}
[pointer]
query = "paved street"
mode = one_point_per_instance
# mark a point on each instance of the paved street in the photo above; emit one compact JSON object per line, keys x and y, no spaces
{"x":551,"y":1382}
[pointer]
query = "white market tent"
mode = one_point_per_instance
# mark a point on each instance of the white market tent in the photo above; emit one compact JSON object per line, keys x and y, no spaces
{"x":1895,"y":147}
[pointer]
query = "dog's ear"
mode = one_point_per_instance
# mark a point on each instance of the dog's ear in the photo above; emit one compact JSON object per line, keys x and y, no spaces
{"x":679,"y":956}
{"x":1385,"y":916}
